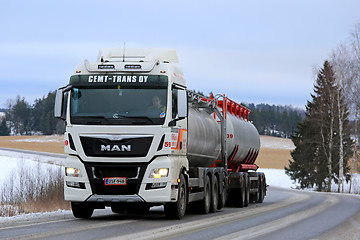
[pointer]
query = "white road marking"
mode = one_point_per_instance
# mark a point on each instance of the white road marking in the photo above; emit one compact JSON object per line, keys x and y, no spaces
{"x":202,"y":224}
{"x":262,"y":229}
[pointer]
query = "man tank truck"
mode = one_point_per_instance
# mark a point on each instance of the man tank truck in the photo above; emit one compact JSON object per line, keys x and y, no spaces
{"x":136,"y":137}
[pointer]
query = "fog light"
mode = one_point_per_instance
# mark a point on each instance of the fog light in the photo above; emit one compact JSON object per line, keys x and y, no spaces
{"x":155,"y":185}
{"x":75,"y":184}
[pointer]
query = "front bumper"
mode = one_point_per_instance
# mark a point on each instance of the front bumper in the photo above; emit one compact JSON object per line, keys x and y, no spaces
{"x":141,"y":188}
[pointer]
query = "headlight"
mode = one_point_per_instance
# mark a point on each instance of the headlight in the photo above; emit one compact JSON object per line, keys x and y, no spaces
{"x":72,"y":172}
{"x":159,"y":173}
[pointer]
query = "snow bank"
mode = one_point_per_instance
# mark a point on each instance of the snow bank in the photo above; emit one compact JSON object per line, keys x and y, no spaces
{"x":34,"y":216}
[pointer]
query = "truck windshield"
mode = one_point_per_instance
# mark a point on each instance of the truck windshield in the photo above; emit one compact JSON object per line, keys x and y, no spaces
{"x":115,"y":105}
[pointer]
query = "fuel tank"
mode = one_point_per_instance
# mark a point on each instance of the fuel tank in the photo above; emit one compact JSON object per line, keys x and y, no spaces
{"x":204,"y":139}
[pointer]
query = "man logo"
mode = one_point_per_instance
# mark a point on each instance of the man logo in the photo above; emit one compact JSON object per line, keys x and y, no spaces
{"x":115,"y":148}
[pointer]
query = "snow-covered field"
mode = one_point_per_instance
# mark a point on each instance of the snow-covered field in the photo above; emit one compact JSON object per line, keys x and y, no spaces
{"x":276,"y":143}
{"x":43,"y":139}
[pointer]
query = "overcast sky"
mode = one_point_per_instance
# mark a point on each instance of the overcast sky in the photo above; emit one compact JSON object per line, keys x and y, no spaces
{"x":253,"y":51}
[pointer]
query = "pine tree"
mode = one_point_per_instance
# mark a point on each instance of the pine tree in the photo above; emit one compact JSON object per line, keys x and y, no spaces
{"x":19,"y":116}
{"x":4,"y":130}
{"x":315,"y":158}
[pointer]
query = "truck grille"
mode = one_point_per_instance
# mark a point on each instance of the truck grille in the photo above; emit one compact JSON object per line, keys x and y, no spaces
{"x":127,"y":146}
{"x":97,"y":172}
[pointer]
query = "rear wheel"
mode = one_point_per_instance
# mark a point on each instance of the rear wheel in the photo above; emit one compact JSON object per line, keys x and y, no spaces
{"x":81,"y":210}
{"x":242,"y":193}
{"x":214,"y":195}
{"x":222,"y":194}
{"x":205,"y":203}
{"x":261,"y":188}
{"x":247,"y":189}
{"x":176,"y":210}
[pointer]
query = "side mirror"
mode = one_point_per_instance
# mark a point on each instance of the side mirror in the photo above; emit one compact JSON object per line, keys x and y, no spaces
{"x":60,"y":104}
{"x":58,"y":108}
{"x":182,"y":104}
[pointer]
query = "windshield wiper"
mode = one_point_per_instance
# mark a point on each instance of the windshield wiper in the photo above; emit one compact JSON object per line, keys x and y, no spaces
{"x":137,"y":117}
{"x":95,"y":117}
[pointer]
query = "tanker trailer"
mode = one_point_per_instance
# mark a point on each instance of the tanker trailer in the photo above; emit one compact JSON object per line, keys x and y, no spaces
{"x":136,"y":138}
{"x":214,"y":125}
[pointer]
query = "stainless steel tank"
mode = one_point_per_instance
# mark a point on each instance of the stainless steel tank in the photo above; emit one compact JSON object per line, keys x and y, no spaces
{"x":245,"y":136}
{"x":204,"y":139}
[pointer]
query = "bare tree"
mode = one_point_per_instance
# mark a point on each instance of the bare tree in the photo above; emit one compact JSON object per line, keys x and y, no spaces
{"x":355,"y":87}
{"x":346,"y":61}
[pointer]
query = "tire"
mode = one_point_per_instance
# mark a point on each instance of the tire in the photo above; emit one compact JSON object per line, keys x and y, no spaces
{"x":176,"y":210}
{"x":247,"y":190}
{"x":81,"y":210}
{"x":237,"y":195}
{"x":214,"y":195}
{"x":222,"y":194}
{"x":261,"y":189}
{"x":241,"y":194}
{"x":205,"y":203}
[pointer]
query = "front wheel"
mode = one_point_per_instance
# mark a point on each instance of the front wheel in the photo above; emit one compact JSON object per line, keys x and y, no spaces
{"x":81,"y":210}
{"x":176,"y":210}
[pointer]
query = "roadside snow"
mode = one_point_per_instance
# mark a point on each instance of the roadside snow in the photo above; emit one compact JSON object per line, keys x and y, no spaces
{"x":277,"y":178}
{"x":34,"y":216}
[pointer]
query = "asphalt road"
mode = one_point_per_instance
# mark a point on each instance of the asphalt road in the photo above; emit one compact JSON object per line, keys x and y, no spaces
{"x":285,"y":214}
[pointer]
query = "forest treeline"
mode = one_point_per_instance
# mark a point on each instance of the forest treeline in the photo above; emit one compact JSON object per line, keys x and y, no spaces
{"x":272,"y":120}
{"x":22,"y":118}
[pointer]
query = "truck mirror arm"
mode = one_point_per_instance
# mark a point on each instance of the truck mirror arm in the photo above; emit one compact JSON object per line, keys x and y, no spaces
{"x":172,"y":123}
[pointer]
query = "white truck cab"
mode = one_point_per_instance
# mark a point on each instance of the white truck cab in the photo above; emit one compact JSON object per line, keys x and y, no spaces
{"x":126,"y":130}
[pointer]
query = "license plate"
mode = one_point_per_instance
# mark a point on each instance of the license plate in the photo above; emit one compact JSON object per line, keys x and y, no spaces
{"x":115,"y":181}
